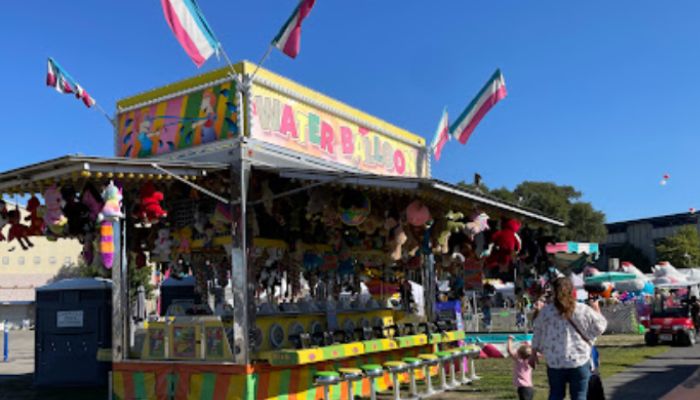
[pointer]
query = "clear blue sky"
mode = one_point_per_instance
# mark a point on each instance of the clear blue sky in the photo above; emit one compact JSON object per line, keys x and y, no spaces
{"x":603,"y":95}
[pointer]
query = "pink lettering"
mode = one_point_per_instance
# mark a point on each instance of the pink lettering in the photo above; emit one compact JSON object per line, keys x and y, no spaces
{"x":346,"y":140}
{"x":399,"y":162}
{"x":288,"y":126}
{"x":363,"y":131}
{"x":326,"y":137}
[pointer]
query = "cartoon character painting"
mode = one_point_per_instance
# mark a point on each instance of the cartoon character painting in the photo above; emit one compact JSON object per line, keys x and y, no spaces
{"x":207,"y":123}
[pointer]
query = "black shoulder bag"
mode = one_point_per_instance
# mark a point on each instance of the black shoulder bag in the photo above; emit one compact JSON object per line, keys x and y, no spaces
{"x":595,"y":384}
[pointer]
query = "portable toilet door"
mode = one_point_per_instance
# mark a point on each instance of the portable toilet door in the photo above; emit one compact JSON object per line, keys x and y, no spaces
{"x":73,"y":321}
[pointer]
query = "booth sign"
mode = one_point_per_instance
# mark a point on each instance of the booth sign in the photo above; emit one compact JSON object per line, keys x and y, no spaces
{"x":295,"y":125}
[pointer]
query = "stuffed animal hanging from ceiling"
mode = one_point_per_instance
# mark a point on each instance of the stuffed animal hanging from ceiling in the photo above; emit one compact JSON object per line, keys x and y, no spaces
{"x":506,"y":243}
{"x":78,"y":214}
{"x":17,"y":230}
{"x":479,"y":224}
{"x":3,"y":218}
{"x":92,"y":198}
{"x":150,"y":210}
{"x":162,"y":246}
{"x":53,"y":217}
{"x":111,"y":212}
{"x":36,"y":222}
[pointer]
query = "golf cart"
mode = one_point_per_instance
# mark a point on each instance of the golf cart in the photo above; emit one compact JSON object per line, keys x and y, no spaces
{"x":670,"y":319}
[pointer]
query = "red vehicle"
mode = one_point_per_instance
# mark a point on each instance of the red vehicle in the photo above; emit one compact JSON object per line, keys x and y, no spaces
{"x":670,"y":319}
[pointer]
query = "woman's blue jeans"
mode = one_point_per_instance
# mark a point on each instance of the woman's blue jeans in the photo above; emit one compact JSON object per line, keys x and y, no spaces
{"x":577,"y":378}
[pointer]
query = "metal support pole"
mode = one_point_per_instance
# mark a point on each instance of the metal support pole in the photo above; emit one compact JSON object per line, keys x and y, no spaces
{"x":5,"y":341}
{"x":429,"y":285}
{"x":120,"y":288}
{"x":243,"y":305}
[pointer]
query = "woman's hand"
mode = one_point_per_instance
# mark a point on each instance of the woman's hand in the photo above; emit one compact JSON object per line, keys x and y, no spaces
{"x":595,"y":305}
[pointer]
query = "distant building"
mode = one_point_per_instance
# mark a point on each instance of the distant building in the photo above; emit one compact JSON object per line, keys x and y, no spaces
{"x":22,"y":271}
{"x":645,"y":234}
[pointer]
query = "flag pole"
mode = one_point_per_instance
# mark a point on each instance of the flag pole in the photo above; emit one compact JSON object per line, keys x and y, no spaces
{"x":99,"y":108}
{"x":262,"y":60}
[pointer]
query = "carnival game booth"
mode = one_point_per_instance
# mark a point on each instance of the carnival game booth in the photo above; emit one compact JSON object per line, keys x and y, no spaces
{"x":296,"y":239}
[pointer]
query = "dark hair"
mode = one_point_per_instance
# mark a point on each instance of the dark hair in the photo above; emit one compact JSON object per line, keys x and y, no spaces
{"x":563,"y":295}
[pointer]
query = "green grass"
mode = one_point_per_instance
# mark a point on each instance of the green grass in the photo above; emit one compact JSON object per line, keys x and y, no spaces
{"x":617,"y":352}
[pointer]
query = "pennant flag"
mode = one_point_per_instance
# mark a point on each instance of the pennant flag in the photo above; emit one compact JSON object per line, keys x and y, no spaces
{"x":191,"y":29}
{"x":493,"y":92}
{"x":288,"y":40}
{"x":442,"y":135}
{"x":57,"y":78}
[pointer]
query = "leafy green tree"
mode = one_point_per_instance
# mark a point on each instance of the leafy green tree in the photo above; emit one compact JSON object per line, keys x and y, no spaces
{"x":583,"y":222}
{"x":682,"y":249}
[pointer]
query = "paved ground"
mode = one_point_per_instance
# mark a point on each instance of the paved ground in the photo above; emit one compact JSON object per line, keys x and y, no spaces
{"x":675,"y":375}
{"x":657,"y":376}
{"x":17,"y":375}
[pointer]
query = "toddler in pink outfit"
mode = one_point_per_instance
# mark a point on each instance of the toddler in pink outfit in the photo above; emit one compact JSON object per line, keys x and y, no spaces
{"x":522,"y":371}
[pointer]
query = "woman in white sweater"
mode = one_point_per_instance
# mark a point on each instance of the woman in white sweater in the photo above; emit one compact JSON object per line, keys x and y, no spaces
{"x":564,"y":332}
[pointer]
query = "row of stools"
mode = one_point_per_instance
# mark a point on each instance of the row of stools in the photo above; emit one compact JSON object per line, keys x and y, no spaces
{"x":443,"y":359}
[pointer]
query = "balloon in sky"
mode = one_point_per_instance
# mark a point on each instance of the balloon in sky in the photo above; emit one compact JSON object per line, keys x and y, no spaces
{"x":665,"y":179}
{"x":692,"y":210}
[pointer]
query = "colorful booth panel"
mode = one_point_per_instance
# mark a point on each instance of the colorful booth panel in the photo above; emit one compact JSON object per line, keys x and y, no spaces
{"x":188,"y":381}
{"x":411,"y":341}
{"x":185,"y":341}
{"x":379,"y":345}
{"x":156,"y":344}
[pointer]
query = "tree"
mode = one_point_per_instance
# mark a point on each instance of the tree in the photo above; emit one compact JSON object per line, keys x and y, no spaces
{"x":682,"y":249}
{"x":583,"y":222}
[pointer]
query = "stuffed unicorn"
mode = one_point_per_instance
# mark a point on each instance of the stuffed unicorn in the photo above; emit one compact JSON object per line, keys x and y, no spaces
{"x":111,"y":212}
{"x":479,"y":224}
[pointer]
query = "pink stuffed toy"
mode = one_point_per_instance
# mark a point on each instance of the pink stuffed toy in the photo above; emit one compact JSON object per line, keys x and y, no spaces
{"x":506,"y":243}
{"x":150,"y":210}
{"x":418,"y":214}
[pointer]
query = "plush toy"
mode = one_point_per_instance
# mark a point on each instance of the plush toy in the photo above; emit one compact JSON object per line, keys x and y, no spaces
{"x":88,"y":252}
{"x":397,"y":239}
{"x":451,"y":225}
{"x":92,"y":198}
{"x":53,"y":217}
{"x":222,"y":218}
{"x":162,"y":246}
{"x":111,"y":212}
{"x":78,"y":214}
{"x":149,"y":210}
{"x":479,"y":224}
{"x":506,"y":243}
{"x":184,"y":240}
{"x":17,"y":230}
{"x":36,"y":222}
{"x":3,"y":218}
{"x":417,"y":213}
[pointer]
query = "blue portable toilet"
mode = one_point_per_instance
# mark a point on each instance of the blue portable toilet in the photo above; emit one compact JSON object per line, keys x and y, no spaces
{"x":73,"y":321}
